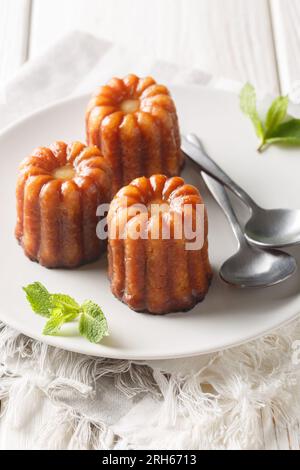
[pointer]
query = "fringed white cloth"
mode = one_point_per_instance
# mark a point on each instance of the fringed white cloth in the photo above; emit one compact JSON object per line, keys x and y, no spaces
{"x":70,"y":401}
{"x":53,"y":399}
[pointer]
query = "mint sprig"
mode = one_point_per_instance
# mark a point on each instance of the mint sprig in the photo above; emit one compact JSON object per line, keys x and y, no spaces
{"x":277,"y":128}
{"x":61,"y":308}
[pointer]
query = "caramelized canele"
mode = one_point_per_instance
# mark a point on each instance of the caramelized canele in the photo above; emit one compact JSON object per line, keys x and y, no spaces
{"x":134,"y":123}
{"x":156,"y":274}
{"x":58,"y":191}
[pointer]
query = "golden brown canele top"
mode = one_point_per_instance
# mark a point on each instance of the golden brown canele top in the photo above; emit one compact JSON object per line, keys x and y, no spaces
{"x":130,"y":95}
{"x":172,"y":194}
{"x":75,"y":164}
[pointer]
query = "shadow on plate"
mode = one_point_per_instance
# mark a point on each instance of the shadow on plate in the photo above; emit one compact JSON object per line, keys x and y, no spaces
{"x":100,"y":265}
{"x":70,"y":330}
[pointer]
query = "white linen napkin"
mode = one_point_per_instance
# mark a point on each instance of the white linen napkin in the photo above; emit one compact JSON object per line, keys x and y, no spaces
{"x":56,"y":399}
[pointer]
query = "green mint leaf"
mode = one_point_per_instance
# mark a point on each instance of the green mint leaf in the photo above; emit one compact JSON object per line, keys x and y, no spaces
{"x":276,"y":114}
{"x":92,"y":322}
{"x":286,"y":133}
{"x":39,"y":298}
{"x":248,"y":106}
{"x":65,"y":302}
{"x":276,"y":129}
{"x":57,"y":319}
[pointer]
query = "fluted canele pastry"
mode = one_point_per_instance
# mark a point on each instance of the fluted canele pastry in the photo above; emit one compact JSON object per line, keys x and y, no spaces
{"x":58,"y":191}
{"x":156,"y":273}
{"x":134,"y":123}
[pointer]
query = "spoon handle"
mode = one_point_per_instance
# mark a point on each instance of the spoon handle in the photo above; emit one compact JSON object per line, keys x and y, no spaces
{"x":197,"y":153}
{"x":219,"y":193}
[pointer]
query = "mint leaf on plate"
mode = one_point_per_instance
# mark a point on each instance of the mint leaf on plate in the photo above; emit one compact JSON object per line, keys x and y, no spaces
{"x":62,"y":308}
{"x":39,"y":298}
{"x":92,"y":322}
{"x":277,"y":128}
{"x":287,"y":133}
{"x":276,"y":114}
{"x":248,"y":106}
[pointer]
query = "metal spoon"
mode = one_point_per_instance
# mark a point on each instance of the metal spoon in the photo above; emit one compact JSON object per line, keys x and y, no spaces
{"x":250,"y":266}
{"x":266,"y":228}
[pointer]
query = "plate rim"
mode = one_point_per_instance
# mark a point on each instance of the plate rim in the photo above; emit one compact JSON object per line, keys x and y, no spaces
{"x":53,"y":340}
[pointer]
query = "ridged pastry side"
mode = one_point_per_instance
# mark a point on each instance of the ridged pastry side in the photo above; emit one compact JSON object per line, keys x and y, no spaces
{"x":156,"y":275}
{"x":56,"y":217}
{"x":140,"y":140}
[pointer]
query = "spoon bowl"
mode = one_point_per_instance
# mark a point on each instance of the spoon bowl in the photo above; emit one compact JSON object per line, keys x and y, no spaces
{"x":253,"y":267}
{"x":273,"y":228}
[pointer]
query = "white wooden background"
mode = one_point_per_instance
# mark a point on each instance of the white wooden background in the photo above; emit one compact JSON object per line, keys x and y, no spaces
{"x":255,"y":40}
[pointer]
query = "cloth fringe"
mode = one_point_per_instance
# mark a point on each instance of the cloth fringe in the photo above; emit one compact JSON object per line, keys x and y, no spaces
{"x":218,"y":407}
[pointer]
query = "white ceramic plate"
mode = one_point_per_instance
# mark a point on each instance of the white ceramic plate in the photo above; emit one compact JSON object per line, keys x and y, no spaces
{"x":228,"y":316}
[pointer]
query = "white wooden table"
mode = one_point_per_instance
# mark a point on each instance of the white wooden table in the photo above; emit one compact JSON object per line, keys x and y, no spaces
{"x":254,"y":40}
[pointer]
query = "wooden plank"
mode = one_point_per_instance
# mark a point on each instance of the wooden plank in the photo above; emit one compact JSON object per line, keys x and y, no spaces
{"x":286,"y":27}
{"x":14,"y":34}
{"x":232,"y":39}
